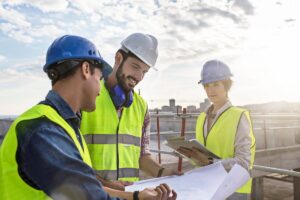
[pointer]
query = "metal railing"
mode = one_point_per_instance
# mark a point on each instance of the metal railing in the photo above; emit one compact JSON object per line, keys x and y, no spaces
{"x":264,"y":120}
{"x":255,"y":167}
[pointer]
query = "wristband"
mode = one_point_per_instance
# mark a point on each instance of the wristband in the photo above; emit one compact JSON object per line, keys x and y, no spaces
{"x":160,"y":171}
{"x":136,"y":195}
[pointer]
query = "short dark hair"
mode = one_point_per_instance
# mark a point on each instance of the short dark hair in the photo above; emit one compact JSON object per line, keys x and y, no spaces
{"x":128,"y":54}
{"x":67,"y":68}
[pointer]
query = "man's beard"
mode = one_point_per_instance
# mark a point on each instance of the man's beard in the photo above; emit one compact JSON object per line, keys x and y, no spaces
{"x":121,"y":78}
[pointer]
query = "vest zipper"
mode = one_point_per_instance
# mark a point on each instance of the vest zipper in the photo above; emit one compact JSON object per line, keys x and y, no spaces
{"x":204,"y":138}
{"x":117,"y":151}
{"x":117,"y":146}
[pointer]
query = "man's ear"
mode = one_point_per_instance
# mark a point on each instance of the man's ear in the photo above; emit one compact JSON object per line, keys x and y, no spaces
{"x":118,"y":59}
{"x":85,"y":69}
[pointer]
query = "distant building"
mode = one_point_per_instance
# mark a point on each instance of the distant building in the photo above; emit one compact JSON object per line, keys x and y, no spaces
{"x":204,"y":105}
{"x":191,"y":109}
{"x":172,"y":105}
{"x":165,"y":109}
{"x":172,"y":102}
{"x":178,"y":109}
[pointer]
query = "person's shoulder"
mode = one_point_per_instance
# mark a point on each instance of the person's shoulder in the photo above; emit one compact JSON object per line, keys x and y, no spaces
{"x":26,"y":129}
{"x":238,"y":109}
{"x":30,"y":124}
{"x":34,"y":124}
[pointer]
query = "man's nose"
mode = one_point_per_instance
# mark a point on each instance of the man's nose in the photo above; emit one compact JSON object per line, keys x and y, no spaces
{"x":139,"y":75}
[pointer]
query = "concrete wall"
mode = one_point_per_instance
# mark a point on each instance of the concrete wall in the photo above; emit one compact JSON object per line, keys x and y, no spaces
{"x":4,"y":126}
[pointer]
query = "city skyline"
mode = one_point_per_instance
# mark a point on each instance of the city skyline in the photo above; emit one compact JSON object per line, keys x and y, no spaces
{"x":257,"y":39}
{"x":263,"y":108}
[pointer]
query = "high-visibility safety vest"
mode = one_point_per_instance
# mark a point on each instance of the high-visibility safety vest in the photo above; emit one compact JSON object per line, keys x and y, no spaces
{"x":114,"y":144}
{"x":221,"y":137}
{"x":12,"y":186}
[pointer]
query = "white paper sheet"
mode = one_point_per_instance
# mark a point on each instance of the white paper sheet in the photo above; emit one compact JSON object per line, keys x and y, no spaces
{"x":201,"y":183}
{"x":236,"y":177}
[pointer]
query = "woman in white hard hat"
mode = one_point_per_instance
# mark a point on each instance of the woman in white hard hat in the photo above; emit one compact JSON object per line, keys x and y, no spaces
{"x":224,"y":129}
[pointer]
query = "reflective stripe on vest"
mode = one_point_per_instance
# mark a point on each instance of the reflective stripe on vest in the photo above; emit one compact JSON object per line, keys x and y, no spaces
{"x":111,"y":139}
{"x":114,"y":144}
{"x":220,"y":139}
{"x":12,"y":185}
{"x":123,"y":173}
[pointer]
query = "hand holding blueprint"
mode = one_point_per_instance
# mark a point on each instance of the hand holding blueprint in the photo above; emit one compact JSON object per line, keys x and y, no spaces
{"x":209,"y":182}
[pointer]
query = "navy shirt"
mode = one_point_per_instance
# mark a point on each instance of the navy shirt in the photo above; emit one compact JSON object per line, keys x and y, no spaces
{"x":48,"y":159}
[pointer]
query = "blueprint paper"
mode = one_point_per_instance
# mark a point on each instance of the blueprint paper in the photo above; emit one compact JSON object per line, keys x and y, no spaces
{"x":201,"y":183}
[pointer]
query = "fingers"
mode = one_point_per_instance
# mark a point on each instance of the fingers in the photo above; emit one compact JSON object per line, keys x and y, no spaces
{"x":126,"y":183}
{"x":167,"y":189}
{"x":163,"y":191}
{"x":159,"y":192}
{"x":174,"y":195}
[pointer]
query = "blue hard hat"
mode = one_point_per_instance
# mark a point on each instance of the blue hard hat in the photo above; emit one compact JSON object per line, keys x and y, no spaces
{"x":69,"y":47}
{"x":214,"y":70}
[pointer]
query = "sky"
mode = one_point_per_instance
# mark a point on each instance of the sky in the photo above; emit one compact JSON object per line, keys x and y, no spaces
{"x":258,"y":40}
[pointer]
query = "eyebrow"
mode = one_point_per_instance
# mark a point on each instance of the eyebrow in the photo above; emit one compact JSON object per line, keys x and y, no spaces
{"x":136,"y":64}
{"x":133,"y":63}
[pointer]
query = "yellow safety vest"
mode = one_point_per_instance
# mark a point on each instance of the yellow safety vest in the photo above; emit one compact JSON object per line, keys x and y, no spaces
{"x":114,"y":144}
{"x":12,"y":186}
{"x":220,"y":139}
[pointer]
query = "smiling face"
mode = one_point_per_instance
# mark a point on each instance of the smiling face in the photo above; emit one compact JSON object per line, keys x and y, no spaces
{"x":131,"y":72}
{"x":216,"y":92}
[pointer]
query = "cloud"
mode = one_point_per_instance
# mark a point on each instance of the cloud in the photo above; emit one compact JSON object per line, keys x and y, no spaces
{"x":24,"y":69}
{"x":14,"y":24}
{"x":2,"y":58}
{"x":185,"y":29}
{"x":14,"y":32}
{"x":188,"y":32}
{"x":245,"y":5}
{"x":46,"y":30}
{"x":44,"y":6}
{"x":14,"y":17}
{"x":26,"y":27}
{"x":290,"y":20}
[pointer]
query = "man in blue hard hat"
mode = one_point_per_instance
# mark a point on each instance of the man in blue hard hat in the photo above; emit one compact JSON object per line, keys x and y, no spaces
{"x":43,"y":154}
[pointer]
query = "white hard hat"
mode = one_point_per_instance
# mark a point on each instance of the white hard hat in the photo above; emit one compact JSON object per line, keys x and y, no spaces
{"x":144,"y":46}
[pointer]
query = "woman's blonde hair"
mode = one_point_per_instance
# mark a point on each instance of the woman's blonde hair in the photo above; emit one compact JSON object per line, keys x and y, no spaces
{"x":227,"y":84}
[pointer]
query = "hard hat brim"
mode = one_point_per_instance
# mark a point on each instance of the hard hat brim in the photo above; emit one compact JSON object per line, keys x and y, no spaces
{"x":215,"y":79}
